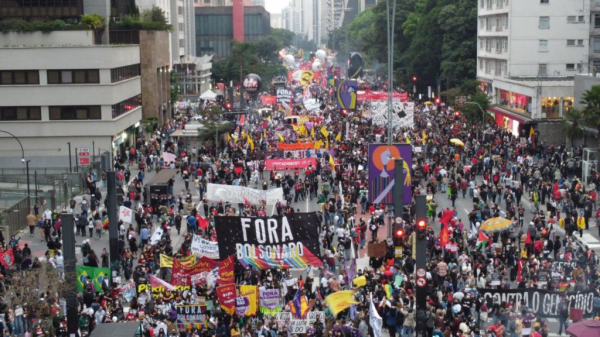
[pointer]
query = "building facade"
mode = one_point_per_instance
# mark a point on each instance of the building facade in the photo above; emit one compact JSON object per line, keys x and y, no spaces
{"x":80,"y":94}
{"x":528,"y":53}
{"x":183,"y":36}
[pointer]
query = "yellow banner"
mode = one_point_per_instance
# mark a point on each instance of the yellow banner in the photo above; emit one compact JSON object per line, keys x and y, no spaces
{"x":252,"y":293}
{"x":167,"y":261}
{"x":360,"y":281}
{"x":340,"y":300}
{"x":307,"y":77}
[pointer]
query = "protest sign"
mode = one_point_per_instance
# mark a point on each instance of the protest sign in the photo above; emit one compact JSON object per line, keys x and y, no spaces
{"x":242,"y":304}
{"x":290,"y":241}
{"x":156,"y":236}
{"x":227,"y":294}
{"x":250,"y":292}
{"x":297,"y":326}
{"x":191,"y":316}
{"x":543,"y":303}
{"x":236,"y":194}
{"x":226,"y":271}
{"x":203,"y":247}
{"x":282,"y":164}
{"x":284,"y":95}
{"x":269,"y":299}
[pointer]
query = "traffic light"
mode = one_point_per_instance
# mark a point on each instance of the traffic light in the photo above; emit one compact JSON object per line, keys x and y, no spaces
{"x":227,"y":106}
{"x":456,"y":114}
{"x":414,"y":78}
{"x":398,"y":234}
{"x":437,"y":101}
{"x":421,"y":228}
{"x":344,"y":112}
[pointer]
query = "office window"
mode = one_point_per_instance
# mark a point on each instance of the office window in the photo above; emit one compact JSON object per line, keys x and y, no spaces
{"x":75,"y":112}
{"x":124,"y":73}
{"x":571,"y":18}
{"x":580,"y":18}
{"x":506,"y":21}
{"x":596,"y":44}
{"x":570,"y":42}
{"x":481,"y":3}
{"x":570,"y":66}
{"x":543,"y":45}
{"x":580,"y":43}
{"x":79,"y":76}
{"x":544,"y":1}
{"x":543,"y":70}
{"x":505,"y":44}
{"x":544,"y":22}
{"x":596,"y":20}
{"x":12,"y":77}
{"x":481,"y":44}
{"x":126,"y":106}
{"x":488,"y":22}
{"x":21,"y":113}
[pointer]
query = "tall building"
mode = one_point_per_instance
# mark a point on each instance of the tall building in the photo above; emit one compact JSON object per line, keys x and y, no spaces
{"x":594,"y":51}
{"x":528,"y":53}
{"x":41,"y":10}
{"x":275,"y":20}
{"x":59,"y":89}
{"x":183,"y":36}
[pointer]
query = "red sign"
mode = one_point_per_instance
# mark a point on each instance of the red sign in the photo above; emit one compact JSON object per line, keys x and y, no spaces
{"x":226,"y":271}
{"x":281,"y":164}
{"x":421,"y":282}
{"x":83,"y":151}
{"x":84,"y":161}
{"x":269,"y":100}
{"x":227,"y":294}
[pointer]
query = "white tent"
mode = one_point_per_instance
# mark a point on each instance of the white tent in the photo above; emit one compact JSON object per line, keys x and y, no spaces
{"x":208,"y":95}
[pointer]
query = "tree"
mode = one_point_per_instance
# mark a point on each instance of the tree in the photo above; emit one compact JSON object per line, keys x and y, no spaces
{"x":155,"y":14}
{"x":268,"y":48}
{"x":94,"y":22}
{"x":133,"y":9}
{"x":284,"y":36}
{"x":244,"y":53}
{"x":473,"y":112}
{"x":573,"y":124}
{"x":591,"y":100}
{"x":175,"y":90}
{"x":211,"y":125}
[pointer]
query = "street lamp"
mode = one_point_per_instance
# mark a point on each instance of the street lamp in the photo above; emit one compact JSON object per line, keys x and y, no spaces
{"x":482,"y":117}
{"x":22,"y":161}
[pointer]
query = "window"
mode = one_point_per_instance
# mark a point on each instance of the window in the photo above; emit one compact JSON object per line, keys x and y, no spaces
{"x":544,"y":1}
{"x":570,"y":66}
{"x":544,"y":22}
{"x":543,"y":45}
{"x":481,"y":44}
{"x":481,"y":3}
{"x":543,"y":70}
{"x":21,"y":113}
{"x":79,"y":76}
{"x":505,"y":45}
{"x":488,"y":23}
{"x":596,"y":20}
{"x":506,"y":21}
{"x":75,"y":112}
{"x":575,"y":19}
{"x":580,"y":43}
{"x":124,"y":73}
{"x":126,"y":106}
{"x":596,"y":44}
{"x":19,"y":77}
{"x":570,"y":42}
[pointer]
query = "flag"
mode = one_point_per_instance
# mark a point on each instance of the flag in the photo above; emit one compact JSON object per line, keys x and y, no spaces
{"x":318,"y":144}
{"x":424,"y":137}
{"x":156,"y":282}
{"x":327,"y":143}
{"x":324,"y":131}
{"x":388,"y":290}
{"x":95,"y":275}
{"x":299,"y":305}
{"x":312,"y":132}
{"x":251,"y":142}
{"x":482,"y":240}
{"x":519,"y":268}
{"x":374,"y":319}
{"x":228,"y":137}
{"x":265,"y":133}
{"x":360,"y":281}
{"x":531,"y":131}
{"x":528,"y":239}
{"x":331,"y":162}
{"x":446,"y":216}
{"x":338,"y":137}
{"x":407,"y":140}
{"x":202,"y":223}
{"x":99,"y":275}
{"x":83,"y":273}
{"x":280,"y":137}
{"x":167,"y":261}
{"x":247,"y":202}
{"x":444,"y":236}
{"x":340,"y":300}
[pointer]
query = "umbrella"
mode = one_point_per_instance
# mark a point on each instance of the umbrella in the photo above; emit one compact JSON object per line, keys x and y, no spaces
{"x":428,"y":103}
{"x":495,"y":225}
{"x":584,"y":328}
{"x":457,"y":141}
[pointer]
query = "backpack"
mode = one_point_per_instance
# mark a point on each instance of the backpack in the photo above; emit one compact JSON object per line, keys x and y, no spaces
{"x":353,"y":233}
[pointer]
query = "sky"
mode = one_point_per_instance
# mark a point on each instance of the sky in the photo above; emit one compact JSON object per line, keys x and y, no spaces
{"x":275,"y":6}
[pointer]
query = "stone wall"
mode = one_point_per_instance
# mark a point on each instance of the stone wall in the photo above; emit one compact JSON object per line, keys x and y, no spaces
{"x":551,"y":132}
{"x":155,"y":65}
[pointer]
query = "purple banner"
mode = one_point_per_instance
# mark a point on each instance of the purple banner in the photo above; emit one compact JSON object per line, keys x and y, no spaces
{"x":242,"y":304}
{"x":346,"y":93}
{"x":269,"y":298}
{"x":381,"y":172}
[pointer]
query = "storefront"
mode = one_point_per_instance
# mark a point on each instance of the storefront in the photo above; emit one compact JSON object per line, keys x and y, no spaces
{"x":507,"y":120}
{"x":123,"y":141}
{"x":511,"y":100}
{"x":556,"y":107}
{"x":486,"y":87}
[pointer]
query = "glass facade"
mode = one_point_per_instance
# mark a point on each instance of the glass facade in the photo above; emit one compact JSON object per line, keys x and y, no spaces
{"x":79,"y":76}
{"x":126,"y":106}
{"x":16,"y":77}
{"x":556,"y":107}
{"x":21,"y":113}
{"x":40,"y":10}
{"x":514,"y":101}
{"x":75,"y":112}
{"x":124,"y":73}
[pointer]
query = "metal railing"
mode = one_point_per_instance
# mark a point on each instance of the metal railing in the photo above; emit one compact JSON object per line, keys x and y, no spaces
{"x":14,"y":218}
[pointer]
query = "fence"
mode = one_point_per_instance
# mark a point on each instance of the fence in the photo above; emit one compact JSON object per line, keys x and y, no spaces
{"x":14,"y":218}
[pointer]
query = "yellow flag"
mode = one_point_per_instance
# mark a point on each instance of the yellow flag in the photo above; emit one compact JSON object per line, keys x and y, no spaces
{"x":251,"y":142}
{"x":265,"y":133}
{"x":228,"y":137}
{"x":318,"y":144}
{"x":167,"y":261}
{"x":332,"y":162}
{"x":340,"y":300}
{"x":327,"y":143}
{"x":252,"y":293}
{"x":303,"y":131}
{"x":296,"y":128}
{"x":407,"y":140}
{"x":424,"y":137}
{"x":312,"y":132}
{"x":360,"y":281}
{"x":338,"y":137}
{"x":324,"y":131}
{"x":281,"y":137}
{"x":531,"y":132}
{"x":243,"y":134}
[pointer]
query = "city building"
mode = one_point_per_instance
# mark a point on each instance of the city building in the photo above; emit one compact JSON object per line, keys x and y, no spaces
{"x":59,"y":89}
{"x":216,"y":27}
{"x":527,"y":56}
{"x":276,"y":20}
{"x":183,"y":36}
{"x":193,"y":74}
{"x":594,"y":46}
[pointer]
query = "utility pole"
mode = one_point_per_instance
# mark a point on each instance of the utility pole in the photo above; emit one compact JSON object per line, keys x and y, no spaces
{"x":113,"y":222}
{"x":421,"y":261}
{"x":398,"y":202}
{"x":70,"y":261}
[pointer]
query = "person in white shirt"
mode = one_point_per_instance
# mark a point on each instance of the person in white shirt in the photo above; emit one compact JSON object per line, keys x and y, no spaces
{"x":47,"y":214}
{"x":58,"y":262}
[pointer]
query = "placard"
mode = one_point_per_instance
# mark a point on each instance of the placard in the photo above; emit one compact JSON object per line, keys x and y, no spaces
{"x":236,"y":194}
{"x":202,"y":247}
{"x":284,"y":95}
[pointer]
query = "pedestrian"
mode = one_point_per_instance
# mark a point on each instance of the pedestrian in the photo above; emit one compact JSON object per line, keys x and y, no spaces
{"x":31,"y":221}
{"x":91,"y":226}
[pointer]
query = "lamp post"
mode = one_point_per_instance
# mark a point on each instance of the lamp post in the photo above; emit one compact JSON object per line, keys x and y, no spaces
{"x":22,"y":161}
{"x":482,"y":117}
{"x":70,"y":164}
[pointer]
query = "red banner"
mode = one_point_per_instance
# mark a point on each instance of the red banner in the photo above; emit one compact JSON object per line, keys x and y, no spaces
{"x":281,"y":164}
{"x":227,"y":294}
{"x":269,"y":100}
{"x":183,"y":274}
{"x":369,"y":95}
{"x":296,"y":146}
{"x":226,"y":271}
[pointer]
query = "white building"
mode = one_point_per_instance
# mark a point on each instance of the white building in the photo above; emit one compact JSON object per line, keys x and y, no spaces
{"x":527,"y":55}
{"x":183,"y":36}
{"x":275,"y":20}
{"x":301,"y":17}
{"x":59,"y":88}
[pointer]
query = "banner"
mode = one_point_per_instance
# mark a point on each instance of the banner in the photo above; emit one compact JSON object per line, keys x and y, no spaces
{"x":269,"y":299}
{"x":375,"y":320}
{"x":311,"y":104}
{"x":290,"y":241}
{"x":282,"y":164}
{"x":167,"y":261}
{"x":543,"y":303}
{"x":184,"y":274}
{"x":268,"y":100}
{"x":284,"y":95}
{"x":251,"y":293}
{"x":191,"y":316}
{"x":227,"y":294}
{"x":403,"y":114}
{"x":226,"y":271}
{"x":206,"y":266}
{"x":95,"y":275}
{"x":156,"y":282}
{"x":157,"y":288}
{"x":296,"y":146}
{"x":242,"y":304}
{"x":369,"y":95}
{"x":203,"y":247}
{"x":382,"y":170}
{"x":236,"y":194}
{"x":156,"y":236}
{"x":346,"y":92}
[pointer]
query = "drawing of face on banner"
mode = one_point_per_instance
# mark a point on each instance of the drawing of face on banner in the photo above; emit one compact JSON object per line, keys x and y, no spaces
{"x":347,"y":94}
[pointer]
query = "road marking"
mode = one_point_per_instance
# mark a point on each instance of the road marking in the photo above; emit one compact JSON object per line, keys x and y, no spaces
{"x":550,"y":319}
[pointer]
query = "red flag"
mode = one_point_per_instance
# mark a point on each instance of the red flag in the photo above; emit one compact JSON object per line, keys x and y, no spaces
{"x":520,"y":265}
{"x":528,"y":240}
{"x":444,"y":236}
{"x":226,"y":271}
{"x":446,"y":216}
{"x":247,"y":202}
{"x":227,"y":294}
{"x":7,"y":258}
{"x":555,"y":188}
{"x":202,"y":222}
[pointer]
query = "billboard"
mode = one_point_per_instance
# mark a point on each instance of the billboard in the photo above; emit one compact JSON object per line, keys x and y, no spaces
{"x":381,"y":172}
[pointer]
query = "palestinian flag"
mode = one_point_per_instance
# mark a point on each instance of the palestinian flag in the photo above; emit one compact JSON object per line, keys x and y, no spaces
{"x":482,"y":240}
